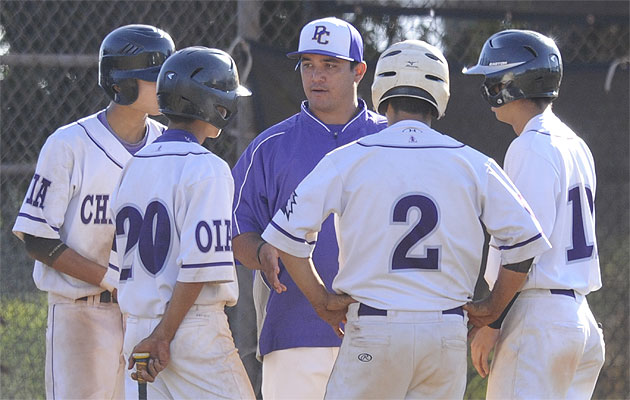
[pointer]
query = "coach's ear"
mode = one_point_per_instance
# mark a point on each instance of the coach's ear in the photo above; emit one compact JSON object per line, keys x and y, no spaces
{"x":359,"y":71}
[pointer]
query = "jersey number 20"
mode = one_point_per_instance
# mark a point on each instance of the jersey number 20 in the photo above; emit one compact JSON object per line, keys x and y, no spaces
{"x":151,"y":233}
{"x":426,"y":224}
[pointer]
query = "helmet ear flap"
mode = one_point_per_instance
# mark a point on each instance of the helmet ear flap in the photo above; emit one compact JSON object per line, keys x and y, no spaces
{"x":127,"y":92}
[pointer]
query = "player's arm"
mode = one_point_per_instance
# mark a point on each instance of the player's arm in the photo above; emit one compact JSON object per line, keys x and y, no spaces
{"x":57,"y":255}
{"x":158,"y":342}
{"x":511,"y":279}
{"x":330,"y":307}
{"x":253,"y":252}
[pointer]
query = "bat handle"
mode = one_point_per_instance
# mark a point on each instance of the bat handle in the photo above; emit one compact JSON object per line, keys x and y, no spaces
{"x":141,"y":359}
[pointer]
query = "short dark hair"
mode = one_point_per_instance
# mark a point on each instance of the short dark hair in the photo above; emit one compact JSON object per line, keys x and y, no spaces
{"x":176,"y":119}
{"x":542,"y":102}
{"x":411,"y":105}
{"x":353,"y":64}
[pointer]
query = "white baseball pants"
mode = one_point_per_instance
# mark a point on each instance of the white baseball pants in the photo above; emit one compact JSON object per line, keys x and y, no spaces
{"x":401,"y":355}
{"x":84,"y":349}
{"x":298,"y":373}
{"x":550,"y":347}
{"x":204,"y":362}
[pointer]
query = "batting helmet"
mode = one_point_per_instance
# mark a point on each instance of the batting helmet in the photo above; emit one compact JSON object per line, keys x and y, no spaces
{"x":196,"y":82}
{"x":128,"y":53}
{"x":518,"y":64}
{"x":412,"y":68}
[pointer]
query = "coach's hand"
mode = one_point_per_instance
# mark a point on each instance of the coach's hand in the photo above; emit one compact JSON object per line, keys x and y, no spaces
{"x":159,"y":348}
{"x":483,"y":341}
{"x":268,"y":256}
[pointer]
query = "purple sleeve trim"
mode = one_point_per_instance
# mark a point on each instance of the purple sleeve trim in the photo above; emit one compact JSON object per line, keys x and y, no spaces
{"x":204,"y":265}
{"x":115,"y":268}
{"x":36,"y":219}
{"x":521,"y":244}
{"x":287,"y":234}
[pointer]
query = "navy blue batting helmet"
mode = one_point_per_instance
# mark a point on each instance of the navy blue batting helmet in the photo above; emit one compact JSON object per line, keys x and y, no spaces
{"x":518,"y":64}
{"x":200,"y":83}
{"x":128,"y":53}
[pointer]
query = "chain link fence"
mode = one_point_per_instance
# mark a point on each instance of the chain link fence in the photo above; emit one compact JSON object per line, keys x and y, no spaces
{"x":48,"y":78}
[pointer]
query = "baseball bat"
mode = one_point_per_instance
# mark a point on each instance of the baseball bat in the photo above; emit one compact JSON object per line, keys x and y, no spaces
{"x":141,"y":359}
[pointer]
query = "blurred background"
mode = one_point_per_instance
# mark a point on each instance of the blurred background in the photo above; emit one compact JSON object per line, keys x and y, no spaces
{"x":49,"y":73}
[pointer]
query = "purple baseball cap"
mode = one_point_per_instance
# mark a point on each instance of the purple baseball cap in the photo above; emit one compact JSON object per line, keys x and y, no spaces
{"x":330,"y":37}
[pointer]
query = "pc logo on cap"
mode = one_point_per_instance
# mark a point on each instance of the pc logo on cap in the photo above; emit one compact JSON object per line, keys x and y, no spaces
{"x":330,"y":37}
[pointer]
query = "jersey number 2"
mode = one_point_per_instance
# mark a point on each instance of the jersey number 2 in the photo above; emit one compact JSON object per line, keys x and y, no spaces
{"x":579,"y":249}
{"x":426,"y":224}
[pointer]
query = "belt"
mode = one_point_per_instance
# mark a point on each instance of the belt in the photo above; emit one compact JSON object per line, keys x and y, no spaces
{"x":106,"y":297}
{"x":364,"y":309}
{"x":566,"y":292}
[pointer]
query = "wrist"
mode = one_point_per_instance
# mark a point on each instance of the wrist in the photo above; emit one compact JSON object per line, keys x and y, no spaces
{"x":260,"y":246}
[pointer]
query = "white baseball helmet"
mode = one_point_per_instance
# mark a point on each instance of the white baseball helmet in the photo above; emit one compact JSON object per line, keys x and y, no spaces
{"x":412,"y":68}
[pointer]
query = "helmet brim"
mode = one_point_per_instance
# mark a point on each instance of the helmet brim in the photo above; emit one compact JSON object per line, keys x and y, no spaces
{"x":489,"y":69}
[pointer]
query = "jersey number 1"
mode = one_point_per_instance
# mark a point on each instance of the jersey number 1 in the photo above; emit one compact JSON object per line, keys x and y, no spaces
{"x":579,"y":249}
{"x":426,"y":224}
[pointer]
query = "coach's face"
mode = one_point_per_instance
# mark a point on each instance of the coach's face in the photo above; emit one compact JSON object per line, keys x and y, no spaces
{"x":329,"y":83}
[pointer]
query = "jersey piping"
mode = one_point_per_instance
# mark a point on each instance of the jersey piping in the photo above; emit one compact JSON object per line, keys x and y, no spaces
{"x":99,"y":146}
{"x":249,"y":167}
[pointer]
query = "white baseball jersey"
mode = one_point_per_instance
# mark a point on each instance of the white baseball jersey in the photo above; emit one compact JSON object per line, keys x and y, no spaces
{"x":68,"y":197}
{"x":172,"y":211}
{"x":554,"y":170}
{"x":409,"y":205}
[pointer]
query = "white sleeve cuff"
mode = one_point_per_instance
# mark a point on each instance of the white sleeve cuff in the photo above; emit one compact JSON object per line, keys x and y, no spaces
{"x":110,"y":280}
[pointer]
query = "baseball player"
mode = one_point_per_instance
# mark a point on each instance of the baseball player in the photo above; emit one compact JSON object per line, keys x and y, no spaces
{"x":330,"y":59}
{"x":409,"y":203}
{"x":549,"y":344}
{"x":65,"y":224}
{"x":172,"y":211}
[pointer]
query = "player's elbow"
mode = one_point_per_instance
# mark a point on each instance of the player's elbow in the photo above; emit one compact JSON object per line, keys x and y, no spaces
{"x":44,"y":250}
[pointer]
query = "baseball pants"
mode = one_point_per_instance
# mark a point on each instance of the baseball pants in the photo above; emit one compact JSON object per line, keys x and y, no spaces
{"x":400,"y":354}
{"x":550,"y":347}
{"x":84,"y":349}
{"x":298,"y":373}
{"x":204,"y":362}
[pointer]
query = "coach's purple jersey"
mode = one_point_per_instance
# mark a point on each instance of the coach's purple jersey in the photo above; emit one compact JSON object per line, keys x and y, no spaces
{"x":266,"y":174}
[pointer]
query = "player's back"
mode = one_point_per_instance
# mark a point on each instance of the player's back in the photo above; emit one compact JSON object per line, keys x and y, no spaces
{"x":410,"y":230}
{"x":550,"y":152}
{"x":167,"y":188}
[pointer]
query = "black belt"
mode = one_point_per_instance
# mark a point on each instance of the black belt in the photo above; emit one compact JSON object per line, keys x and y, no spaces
{"x":364,"y":309}
{"x":106,"y":297}
{"x":566,"y":292}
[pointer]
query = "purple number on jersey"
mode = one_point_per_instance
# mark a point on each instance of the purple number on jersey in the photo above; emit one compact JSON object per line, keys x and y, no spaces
{"x":579,"y":248}
{"x":134,"y":224}
{"x":426,"y":224}
{"x":152,"y":234}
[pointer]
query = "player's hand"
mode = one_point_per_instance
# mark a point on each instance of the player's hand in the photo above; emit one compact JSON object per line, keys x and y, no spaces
{"x":334,"y":311}
{"x":482,"y":312}
{"x":270,"y":267}
{"x":483,"y":341}
{"x":160,"y":355}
